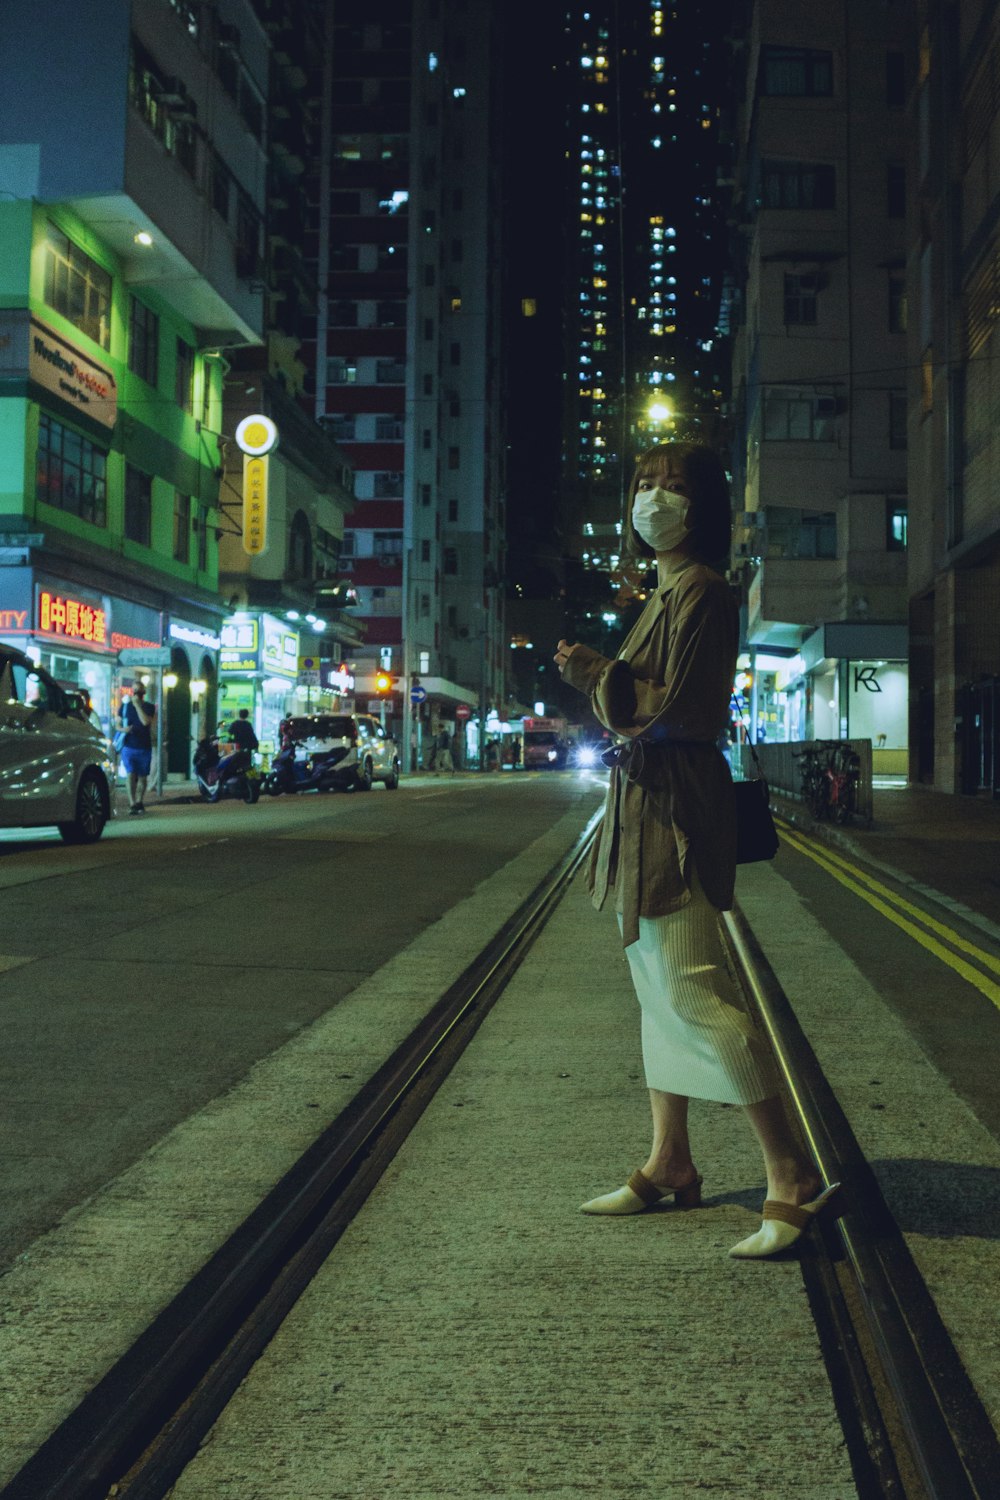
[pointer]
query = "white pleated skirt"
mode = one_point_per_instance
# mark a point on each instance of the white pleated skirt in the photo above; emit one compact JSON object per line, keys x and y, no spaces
{"x":696,"y":1037}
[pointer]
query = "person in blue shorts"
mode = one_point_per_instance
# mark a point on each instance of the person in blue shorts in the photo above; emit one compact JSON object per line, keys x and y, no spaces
{"x":137,"y":718}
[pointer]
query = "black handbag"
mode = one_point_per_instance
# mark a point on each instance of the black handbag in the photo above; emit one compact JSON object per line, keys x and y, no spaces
{"x":756,"y":835}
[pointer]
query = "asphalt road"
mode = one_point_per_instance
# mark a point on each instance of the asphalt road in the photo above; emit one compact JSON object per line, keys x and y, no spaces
{"x":142,"y":976}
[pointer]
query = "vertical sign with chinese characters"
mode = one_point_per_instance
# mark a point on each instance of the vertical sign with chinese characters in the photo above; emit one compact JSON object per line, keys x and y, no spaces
{"x":255,"y":437}
{"x":255,"y":504}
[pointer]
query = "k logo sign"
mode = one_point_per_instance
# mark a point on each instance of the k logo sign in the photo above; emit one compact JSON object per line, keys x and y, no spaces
{"x":865,"y":677}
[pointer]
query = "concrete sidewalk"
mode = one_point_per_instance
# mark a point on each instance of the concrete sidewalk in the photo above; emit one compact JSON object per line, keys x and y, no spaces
{"x":949,"y":844}
{"x":473,"y":1334}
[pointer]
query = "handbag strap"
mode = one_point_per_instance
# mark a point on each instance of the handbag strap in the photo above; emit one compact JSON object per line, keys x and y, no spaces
{"x":751,"y":743}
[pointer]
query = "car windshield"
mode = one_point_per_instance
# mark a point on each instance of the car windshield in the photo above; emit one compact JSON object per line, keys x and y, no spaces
{"x":321,"y":727}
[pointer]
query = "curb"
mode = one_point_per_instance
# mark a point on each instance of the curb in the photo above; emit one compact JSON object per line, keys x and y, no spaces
{"x":837,"y":838}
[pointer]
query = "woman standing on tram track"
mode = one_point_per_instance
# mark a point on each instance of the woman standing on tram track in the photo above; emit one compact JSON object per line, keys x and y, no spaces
{"x":666,"y":850}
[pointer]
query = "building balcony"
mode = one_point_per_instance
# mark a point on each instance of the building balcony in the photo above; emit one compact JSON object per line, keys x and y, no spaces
{"x":788,"y":597}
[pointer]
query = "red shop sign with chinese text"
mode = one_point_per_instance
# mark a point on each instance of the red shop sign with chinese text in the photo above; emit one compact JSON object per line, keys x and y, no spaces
{"x":71,"y":618}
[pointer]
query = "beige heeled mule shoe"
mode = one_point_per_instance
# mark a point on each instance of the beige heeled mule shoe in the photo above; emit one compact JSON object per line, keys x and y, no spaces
{"x":784,"y":1223}
{"x":639,"y":1193}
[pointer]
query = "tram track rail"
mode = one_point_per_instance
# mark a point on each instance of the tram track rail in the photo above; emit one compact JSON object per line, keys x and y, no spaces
{"x":913,"y":1421}
{"x":898,"y":1379}
{"x":133,"y":1434}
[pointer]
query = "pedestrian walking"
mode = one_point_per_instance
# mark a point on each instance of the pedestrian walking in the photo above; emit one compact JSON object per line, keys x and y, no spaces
{"x":137,"y":718}
{"x":666,"y":850}
{"x":442,"y":753}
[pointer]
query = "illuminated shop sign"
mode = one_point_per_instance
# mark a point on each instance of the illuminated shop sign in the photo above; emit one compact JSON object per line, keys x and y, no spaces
{"x":340,"y":679}
{"x":192,"y":635}
{"x":74,"y":377}
{"x":264,"y":645}
{"x":280,"y":649}
{"x":120,"y":642}
{"x":15,"y":621}
{"x":239,"y":647}
{"x":72,"y":619}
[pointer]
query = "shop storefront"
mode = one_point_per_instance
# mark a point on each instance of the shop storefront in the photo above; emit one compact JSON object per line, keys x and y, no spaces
{"x":324,"y":687}
{"x":76,"y":633}
{"x":856,"y":680}
{"x":258,"y":671}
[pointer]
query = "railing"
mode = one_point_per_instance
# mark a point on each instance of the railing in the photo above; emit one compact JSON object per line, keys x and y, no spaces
{"x":832,"y":777}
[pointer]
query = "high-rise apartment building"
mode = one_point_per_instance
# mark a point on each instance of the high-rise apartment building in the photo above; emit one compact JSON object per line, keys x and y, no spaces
{"x":287,"y":602}
{"x":407,"y":349}
{"x":954,"y":398}
{"x":819,"y":369}
{"x":646,"y":258}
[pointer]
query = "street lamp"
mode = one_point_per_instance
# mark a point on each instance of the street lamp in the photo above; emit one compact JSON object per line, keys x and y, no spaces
{"x":658,"y":411}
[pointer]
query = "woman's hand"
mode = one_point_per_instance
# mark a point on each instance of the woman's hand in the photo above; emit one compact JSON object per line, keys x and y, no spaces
{"x":563,"y":653}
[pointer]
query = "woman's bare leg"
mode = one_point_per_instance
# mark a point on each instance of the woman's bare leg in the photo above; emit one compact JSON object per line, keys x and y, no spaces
{"x":791,"y":1176}
{"x":669,"y":1163}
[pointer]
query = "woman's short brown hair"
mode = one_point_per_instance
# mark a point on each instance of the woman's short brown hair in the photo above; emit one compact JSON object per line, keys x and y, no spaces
{"x":707,"y":488}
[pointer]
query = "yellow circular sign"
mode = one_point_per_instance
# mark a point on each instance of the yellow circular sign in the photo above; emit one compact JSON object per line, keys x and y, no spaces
{"x":256,"y":435}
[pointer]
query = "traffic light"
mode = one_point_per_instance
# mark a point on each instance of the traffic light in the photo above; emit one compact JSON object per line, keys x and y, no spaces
{"x":383,"y":683}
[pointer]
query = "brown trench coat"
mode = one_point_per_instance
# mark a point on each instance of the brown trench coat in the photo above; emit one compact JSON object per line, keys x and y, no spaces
{"x":672,"y":800}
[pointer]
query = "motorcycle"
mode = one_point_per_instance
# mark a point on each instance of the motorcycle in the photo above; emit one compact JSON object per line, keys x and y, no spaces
{"x":292,"y":770}
{"x":225,"y":776}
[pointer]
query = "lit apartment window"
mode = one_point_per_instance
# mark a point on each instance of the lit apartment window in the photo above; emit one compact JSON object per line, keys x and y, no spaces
{"x":341,"y":371}
{"x":77,"y":287}
{"x":895,"y":524}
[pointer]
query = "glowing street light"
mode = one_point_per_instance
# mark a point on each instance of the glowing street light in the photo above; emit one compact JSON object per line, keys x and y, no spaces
{"x":658,"y":411}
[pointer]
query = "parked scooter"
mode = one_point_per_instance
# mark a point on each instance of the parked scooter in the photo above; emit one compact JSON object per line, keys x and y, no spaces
{"x":225,"y":775}
{"x":295,"y":770}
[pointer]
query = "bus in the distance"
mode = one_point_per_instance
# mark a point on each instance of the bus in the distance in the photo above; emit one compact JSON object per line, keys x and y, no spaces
{"x":546,"y":744}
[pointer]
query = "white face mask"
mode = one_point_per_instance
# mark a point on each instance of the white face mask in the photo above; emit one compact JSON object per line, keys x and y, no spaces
{"x":660,"y":518}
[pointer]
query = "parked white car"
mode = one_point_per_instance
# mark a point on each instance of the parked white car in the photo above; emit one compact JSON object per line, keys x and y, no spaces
{"x":54,"y":765}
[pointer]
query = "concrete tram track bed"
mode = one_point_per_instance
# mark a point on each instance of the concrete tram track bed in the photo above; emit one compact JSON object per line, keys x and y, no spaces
{"x":937,"y":1165}
{"x":81,"y":1293}
{"x":473,"y":1334}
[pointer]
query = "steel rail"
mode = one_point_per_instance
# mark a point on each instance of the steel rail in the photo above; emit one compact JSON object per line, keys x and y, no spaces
{"x":950,"y":1440}
{"x":144,"y":1420}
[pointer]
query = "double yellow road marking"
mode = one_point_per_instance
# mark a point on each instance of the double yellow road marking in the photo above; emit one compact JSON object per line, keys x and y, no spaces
{"x":899,"y":911}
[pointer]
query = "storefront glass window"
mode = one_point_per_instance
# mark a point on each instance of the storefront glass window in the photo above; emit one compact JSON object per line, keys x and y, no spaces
{"x":83,"y":674}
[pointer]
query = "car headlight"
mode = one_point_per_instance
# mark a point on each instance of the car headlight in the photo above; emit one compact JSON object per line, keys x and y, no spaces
{"x":586,"y":757}
{"x":553,"y":755}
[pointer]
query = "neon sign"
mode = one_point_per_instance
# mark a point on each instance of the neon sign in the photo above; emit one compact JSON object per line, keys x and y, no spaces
{"x":71,"y":618}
